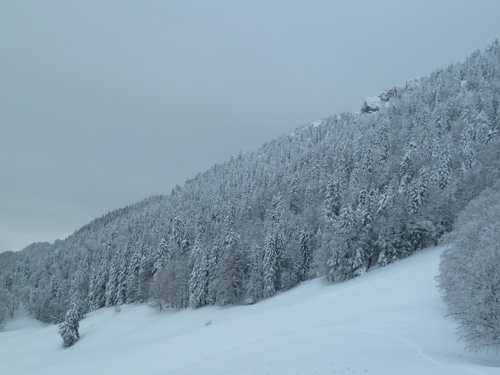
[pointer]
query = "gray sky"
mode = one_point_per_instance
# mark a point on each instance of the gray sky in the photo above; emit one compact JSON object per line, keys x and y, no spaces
{"x":104,"y":103}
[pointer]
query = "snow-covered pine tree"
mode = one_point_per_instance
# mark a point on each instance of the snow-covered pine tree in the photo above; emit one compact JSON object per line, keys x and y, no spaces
{"x":295,"y":201}
{"x":199,"y":277}
{"x":98,"y":281}
{"x":331,"y":205}
{"x":231,"y":271}
{"x":406,"y":168}
{"x":443,"y":173}
{"x":254,"y":285}
{"x":112,"y":284}
{"x":145,"y":274}
{"x":271,"y":264}
{"x":69,"y":328}
{"x":161,"y":256}
{"x":122,"y":278}
{"x":383,"y":141}
{"x":4,"y":302}
{"x":305,"y":254}
{"x":78,"y":291}
{"x":134,"y":287}
{"x":347,"y":256}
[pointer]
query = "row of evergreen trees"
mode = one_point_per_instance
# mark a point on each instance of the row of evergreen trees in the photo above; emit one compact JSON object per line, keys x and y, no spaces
{"x":336,"y":199}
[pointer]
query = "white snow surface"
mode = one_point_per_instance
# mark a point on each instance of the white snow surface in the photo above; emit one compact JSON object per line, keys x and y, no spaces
{"x":389,"y":321}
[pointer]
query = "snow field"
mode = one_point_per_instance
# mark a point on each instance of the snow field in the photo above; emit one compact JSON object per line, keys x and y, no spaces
{"x":389,"y":321}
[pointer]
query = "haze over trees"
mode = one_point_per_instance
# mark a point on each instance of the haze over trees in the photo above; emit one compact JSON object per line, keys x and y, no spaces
{"x":334,"y":198}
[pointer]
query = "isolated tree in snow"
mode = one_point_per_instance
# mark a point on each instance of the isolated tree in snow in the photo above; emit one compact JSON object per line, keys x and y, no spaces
{"x":69,"y":328}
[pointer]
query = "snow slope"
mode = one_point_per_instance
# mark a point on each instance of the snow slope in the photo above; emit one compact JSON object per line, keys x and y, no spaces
{"x":389,"y":321}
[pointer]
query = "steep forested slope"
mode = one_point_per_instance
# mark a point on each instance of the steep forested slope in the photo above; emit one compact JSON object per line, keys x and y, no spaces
{"x":333,"y":198}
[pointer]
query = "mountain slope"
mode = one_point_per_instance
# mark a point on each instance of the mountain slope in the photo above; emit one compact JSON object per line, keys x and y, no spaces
{"x":335,"y":198}
{"x":389,"y":321}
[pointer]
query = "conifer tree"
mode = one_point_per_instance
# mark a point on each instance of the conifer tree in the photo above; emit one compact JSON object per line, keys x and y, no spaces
{"x":98,"y":282}
{"x":331,"y":205}
{"x":347,"y":256}
{"x":444,"y":169}
{"x":133,"y":283}
{"x":4,"y":302}
{"x":271,"y":265}
{"x":69,"y":328}
{"x":199,"y":277}
{"x":231,"y":271}
{"x":161,"y":256}
{"x":305,"y":254}
{"x":254,"y":285}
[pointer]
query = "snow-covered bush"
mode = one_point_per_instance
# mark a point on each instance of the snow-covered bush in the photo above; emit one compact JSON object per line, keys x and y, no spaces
{"x":469,"y":273}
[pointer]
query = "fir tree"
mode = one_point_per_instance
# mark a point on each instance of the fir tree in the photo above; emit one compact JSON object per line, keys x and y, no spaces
{"x":331,"y":205}
{"x":347,"y":256}
{"x":271,"y":269}
{"x":305,"y":258}
{"x":69,"y":328}
{"x":161,"y":257}
{"x":199,"y":278}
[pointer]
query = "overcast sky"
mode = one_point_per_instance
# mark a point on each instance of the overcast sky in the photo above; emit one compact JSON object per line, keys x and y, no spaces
{"x":104,"y":103}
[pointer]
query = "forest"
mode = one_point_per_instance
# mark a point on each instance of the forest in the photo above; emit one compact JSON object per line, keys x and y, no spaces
{"x":331,"y":199}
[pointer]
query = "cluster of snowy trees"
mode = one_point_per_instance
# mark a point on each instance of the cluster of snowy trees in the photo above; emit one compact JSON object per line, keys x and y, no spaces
{"x":9,"y":302}
{"x":469,"y":274}
{"x":336,"y":199}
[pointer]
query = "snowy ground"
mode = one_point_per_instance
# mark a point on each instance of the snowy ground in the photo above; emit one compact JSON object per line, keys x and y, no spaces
{"x":389,"y":321}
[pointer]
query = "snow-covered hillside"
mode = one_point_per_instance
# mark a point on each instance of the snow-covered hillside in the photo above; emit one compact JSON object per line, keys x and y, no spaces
{"x":389,"y":321}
